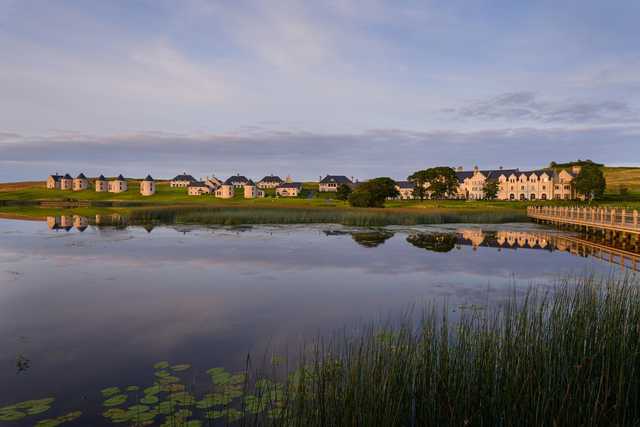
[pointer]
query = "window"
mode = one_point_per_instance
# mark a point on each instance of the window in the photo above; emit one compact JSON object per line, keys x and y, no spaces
{"x":512,"y":196}
{"x":544,"y":196}
{"x":533,"y":197}
{"x":522,"y":197}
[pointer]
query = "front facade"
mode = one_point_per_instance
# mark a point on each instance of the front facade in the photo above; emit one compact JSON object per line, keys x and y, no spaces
{"x":148,"y":186}
{"x":405,"y":189}
{"x":101,"y":185}
{"x":181,"y":181}
{"x":198,"y":188}
{"x":238,"y":181}
{"x":271,"y":181}
{"x":225,"y":191}
{"x":53,"y":182}
{"x":513,"y":184}
{"x":289,"y":189}
{"x":66,"y":182}
{"x":80,"y":183}
{"x":118,"y":185}
{"x":330,"y":183}
{"x":251,"y":191}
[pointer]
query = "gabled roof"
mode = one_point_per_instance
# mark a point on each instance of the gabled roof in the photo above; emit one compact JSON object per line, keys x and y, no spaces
{"x":183,"y":177}
{"x":197,"y":184}
{"x":250,"y":182}
{"x":81,"y":176}
{"x":101,"y":178}
{"x":488,"y":174}
{"x":405,"y":184}
{"x":297,"y":185}
{"x":271,"y":178}
{"x":236,"y":178}
{"x":55,"y":177}
{"x":148,"y":178}
{"x":120,"y":178}
{"x":338,"y":179}
{"x":67,"y":176}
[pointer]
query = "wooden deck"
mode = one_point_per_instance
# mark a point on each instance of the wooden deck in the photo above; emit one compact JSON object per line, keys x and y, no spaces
{"x":605,"y":219}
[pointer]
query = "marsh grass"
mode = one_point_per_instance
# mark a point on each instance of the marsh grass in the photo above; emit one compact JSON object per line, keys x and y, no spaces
{"x":351,"y":217}
{"x":568,"y":356}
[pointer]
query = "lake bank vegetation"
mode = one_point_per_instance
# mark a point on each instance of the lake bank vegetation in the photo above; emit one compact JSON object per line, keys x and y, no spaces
{"x":560,"y":354}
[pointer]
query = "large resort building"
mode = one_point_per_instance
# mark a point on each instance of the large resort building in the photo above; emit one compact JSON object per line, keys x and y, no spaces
{"x":542,"y":184}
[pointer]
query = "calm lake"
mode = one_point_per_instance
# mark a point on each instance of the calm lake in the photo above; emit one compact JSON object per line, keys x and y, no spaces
{"x":83,"y":308}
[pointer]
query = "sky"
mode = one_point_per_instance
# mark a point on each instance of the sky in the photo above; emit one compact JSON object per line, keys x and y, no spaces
{"x":308,"y":88}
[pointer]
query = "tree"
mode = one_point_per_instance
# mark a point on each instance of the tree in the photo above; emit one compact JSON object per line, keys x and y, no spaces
{"x":590,"y":182}
{"x":343,"y":192}
{"x":442,"y":181}
{"x":437,"y":242}
{"x":491,"y":188}
{"x":373,"y":193}
{"x":419,"y":179}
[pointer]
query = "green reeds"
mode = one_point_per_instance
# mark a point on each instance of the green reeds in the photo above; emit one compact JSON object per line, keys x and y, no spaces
{"x":350,"y":217}
{"x":568,"y":356}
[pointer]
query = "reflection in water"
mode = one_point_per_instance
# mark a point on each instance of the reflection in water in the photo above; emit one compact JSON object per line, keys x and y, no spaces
{"x":371,"y":239}
{"x":584,"y":245}
{"x":435,"y":242}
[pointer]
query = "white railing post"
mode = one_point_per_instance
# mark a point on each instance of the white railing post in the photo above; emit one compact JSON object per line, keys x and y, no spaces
{"x":624,"y":215}
{"x":613,"y":216}
{"x":635,"y":218}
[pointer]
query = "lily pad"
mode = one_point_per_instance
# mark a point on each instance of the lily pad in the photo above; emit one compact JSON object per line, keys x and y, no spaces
{"x":115,"y":400}
{"x":162,"y":374}
{"x":38,"y":409}
{"x":138,"y":408}
{"x":181,"y":367}
{"x":11,"y":415}
{"x":172,"y":388}
{"x":194,"y":423}
{"x":155,"y":389}
{"x":110,"y":391}
{"x":150,"y":399}
{"x":161,"y":365}
{"x":133,"y":388}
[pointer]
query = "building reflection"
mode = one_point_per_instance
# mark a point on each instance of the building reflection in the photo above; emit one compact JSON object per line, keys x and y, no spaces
{"x":622,"y":253}
{"x":81,"y":223}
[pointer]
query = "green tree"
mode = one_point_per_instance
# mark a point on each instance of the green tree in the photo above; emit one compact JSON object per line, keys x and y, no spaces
{"x":419,"y":179}
{"x":373,"y":193}
{"x":442,"y":181}
{"x":343,"y":192}
{"x":590,"y":182}
{"x":491,"y":188}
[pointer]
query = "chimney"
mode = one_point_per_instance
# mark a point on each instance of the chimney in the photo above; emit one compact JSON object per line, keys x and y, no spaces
{"x":352,"y":180}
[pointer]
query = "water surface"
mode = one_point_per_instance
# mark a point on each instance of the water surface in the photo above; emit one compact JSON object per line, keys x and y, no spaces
{"x":83,"y":308}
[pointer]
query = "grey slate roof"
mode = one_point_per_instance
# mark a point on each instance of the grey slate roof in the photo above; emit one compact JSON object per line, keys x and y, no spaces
{"x":197,"y":184}
{"x":405,"y":184}
{"x":148,"y":178}
{"x":67,"y":176}
{"x":183,"y":177}
{"x":81,"y":176}
{"x":56,"y":177}
{"x":101,"y":178}
{"x":271,"y":178}
{"x":297,"y":185}
{"x":120,"y":177}
{"x":489,"y":174}
{"x":338,"y":179}
{"x":237,"y":178}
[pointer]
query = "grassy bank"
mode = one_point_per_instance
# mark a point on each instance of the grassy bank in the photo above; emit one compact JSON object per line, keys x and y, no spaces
{"x":567,"y":356}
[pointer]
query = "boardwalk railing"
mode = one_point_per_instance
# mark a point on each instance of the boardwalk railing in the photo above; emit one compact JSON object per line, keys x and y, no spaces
{"x":621,"y":220}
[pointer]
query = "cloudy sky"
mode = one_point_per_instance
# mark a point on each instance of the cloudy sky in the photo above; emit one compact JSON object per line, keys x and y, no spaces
{"x":305,"y":88}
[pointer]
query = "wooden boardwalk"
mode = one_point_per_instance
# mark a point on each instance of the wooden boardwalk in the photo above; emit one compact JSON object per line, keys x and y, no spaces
{"x":602,"y":219}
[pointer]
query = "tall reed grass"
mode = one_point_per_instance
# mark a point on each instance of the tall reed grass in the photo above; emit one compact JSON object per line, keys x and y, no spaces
{"x":351,"y":217}
{"x":569,"y":356}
